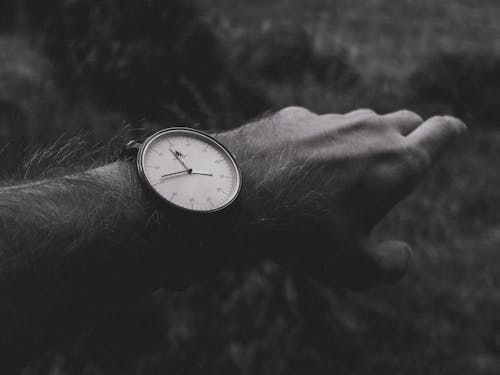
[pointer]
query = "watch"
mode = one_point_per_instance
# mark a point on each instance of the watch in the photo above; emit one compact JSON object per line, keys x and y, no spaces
{"x":189,"y":171}
{"x":194,"y":182}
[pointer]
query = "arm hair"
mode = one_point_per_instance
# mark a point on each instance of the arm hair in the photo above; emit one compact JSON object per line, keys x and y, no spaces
{"x":77,"y":238}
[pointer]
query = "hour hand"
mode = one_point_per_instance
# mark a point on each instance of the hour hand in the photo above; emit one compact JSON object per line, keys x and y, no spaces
{"x":180,"y":160}
{"x":174,"y":173}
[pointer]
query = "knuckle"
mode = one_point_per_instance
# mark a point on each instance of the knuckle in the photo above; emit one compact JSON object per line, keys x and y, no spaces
{"x":410,"y":116}
{"x":374,"y":120}
{"x":364,"y":123}
{"x":439,"y":121}
{"x":371,"y":120}
{"x":401,"y":167}
{"x":415,"y":159}
{"x":363,"y":112}
{"x":294,"y":112}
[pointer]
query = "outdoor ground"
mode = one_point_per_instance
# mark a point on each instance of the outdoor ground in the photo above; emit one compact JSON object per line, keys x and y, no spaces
{"x":444,"y":317}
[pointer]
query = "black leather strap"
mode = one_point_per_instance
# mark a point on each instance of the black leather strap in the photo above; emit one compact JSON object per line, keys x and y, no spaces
{"x":206,"y":241}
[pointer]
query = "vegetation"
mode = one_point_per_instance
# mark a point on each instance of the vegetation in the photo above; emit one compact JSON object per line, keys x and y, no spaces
{"x":82,"y":66}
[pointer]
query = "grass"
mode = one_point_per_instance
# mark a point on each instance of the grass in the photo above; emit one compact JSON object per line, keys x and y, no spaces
{"x":443,"y":318}
{"x":383,"y":35}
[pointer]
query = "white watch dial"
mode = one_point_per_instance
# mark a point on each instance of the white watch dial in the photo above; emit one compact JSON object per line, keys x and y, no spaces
{"x":190,"y":170}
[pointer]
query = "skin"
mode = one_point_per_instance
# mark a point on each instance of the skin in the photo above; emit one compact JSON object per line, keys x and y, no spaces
{"x":318,"y":184}
{"x":76,"y":247}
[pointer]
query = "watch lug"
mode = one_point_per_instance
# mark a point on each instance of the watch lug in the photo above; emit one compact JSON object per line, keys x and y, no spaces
{"x":130,"y":150}
{"x":133,"y":144}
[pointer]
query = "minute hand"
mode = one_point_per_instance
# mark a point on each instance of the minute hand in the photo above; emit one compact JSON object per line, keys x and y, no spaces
{"x":202,"y":173}
{"x":189,"y":170}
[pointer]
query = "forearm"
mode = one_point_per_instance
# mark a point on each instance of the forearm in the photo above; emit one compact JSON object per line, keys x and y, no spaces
{"x":75,"y":246}
{"x":72,"y":248}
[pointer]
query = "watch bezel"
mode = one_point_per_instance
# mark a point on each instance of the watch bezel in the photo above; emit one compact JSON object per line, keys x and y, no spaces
{"x":198,"y":133}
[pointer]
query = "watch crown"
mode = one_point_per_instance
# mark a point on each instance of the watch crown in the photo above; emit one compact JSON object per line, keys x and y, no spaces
{"x":130,"y":150}
{"x":133,"y":144}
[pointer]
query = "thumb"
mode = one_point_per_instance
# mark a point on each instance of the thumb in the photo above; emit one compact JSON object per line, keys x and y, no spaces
{"x":382,"y":263}
{"x":358,"y":266}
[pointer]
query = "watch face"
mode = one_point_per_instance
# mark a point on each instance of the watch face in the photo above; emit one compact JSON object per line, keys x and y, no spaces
{"x":190,"y":170}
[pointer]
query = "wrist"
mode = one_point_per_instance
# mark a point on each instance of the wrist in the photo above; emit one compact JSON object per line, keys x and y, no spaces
{"x":156,"y":246}
{"x":188,"y":249}
{"x":274,"y":224}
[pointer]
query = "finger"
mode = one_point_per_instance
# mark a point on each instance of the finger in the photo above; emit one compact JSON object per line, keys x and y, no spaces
{"x":354,"y":115}
{"x":435,"y":134}
{"x":403,"y":121}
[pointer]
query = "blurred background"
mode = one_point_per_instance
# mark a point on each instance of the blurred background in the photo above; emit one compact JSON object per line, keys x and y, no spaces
{"x":68,"y":66}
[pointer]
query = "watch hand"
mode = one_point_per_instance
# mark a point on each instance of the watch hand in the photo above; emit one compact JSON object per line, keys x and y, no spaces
{"x":201,"y":173}
{"x":175,"y":173}
{"x":178,"y":158}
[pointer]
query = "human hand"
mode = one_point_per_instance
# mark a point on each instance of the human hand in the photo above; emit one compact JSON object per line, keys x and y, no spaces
{"x":315,"y":186}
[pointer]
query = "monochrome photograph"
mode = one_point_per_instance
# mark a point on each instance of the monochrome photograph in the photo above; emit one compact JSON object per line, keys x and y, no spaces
{"x":288,"y":187}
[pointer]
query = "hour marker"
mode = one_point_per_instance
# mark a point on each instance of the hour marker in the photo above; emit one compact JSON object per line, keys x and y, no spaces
{"x":150,"y":166}
{"x":224,"y":176}
{"x":219,"y":189}
{"x":209,"y":200}
{"x":218,"y":161}
{"x":173,"y":196}
{"x":206,"y":148}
